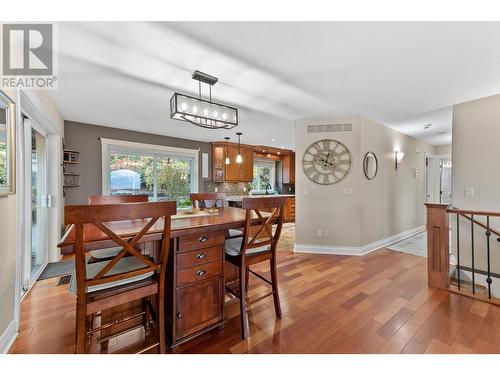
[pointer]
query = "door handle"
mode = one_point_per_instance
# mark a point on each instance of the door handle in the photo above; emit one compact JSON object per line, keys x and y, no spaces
{"x":179,"y":315}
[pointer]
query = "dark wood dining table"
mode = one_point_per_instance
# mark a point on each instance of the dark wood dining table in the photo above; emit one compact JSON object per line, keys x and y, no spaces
{"x":223,"y":219}
{"x":196,"y":270}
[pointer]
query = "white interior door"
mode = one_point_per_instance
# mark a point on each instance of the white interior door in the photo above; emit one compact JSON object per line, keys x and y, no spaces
{"x":35,"y":203}
{"x":446,"y":182}
{"x":433,"y":189}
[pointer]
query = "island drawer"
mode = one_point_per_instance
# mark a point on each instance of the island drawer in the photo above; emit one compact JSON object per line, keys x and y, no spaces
{"x":200,"y":273}
{"x":198,"y":257}
{"x":202,"y":241}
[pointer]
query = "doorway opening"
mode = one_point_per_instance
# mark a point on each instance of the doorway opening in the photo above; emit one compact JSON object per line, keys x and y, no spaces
{"x":438,"y":179}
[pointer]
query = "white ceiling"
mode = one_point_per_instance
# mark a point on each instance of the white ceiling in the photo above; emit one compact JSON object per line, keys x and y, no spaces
{"x":439,"y":131}
{"x":123,"y":74}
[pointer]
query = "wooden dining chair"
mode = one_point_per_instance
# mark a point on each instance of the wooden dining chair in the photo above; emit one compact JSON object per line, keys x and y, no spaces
{"x":208,"y":200}
{"x":128,"y":276}
{"x":115,"y":199}
{"x":257,"y":245}
{"x":105,"y":254}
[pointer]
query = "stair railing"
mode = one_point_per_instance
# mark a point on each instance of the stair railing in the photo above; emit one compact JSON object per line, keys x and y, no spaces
{"x":438,"y":249}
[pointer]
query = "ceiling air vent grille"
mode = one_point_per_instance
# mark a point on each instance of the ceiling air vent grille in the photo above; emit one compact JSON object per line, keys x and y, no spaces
{"x":329,"y":128}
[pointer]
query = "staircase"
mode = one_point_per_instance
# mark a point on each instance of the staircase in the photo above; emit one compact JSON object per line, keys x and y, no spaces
{"x":474,"y":242}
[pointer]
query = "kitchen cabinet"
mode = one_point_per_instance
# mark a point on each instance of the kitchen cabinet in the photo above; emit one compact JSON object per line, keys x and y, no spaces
{"x":196,"y":278}
{"x":218,"y":157}
{"x":289,"y":211}
{"x":288,"y":163}
{"x":233,"y":172}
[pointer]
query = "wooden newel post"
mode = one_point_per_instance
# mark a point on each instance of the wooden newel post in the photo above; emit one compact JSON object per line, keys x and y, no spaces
{"x":438,"y":258}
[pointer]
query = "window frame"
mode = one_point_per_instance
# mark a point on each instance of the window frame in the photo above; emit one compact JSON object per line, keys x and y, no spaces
{"x":109,"y":146}
{"x":263,"y":162}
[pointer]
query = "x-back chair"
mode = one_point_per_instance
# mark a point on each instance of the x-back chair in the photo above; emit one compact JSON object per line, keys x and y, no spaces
{"x":258,"y":244}
{"x":104,"y":254}
{"x":129,"y":276}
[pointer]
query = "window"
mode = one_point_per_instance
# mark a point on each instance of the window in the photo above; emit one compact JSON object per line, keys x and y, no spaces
{"x":263,"y":175}
{"x":161,"y":172}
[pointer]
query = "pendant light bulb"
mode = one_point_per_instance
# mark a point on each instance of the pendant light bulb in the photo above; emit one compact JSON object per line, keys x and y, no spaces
{"x":227,"y":161}
{"x":239,"y":159}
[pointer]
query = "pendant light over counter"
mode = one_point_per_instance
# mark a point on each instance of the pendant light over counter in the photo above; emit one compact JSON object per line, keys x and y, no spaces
{"x":239,"y":159}
{"x":227,"y":151}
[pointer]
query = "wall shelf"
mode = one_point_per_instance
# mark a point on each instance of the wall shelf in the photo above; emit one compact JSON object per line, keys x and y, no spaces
{"x":70,"y":157}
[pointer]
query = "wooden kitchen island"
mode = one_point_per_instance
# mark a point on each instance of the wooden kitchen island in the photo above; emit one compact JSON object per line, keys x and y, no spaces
{"x":195,"y":277}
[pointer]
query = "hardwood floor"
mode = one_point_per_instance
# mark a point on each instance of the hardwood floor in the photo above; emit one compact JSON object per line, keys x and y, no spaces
{"x":379,"y":303}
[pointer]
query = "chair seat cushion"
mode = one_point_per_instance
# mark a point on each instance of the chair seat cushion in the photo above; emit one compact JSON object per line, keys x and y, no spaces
{"x":109,"y":252}
{"x":124,"y":265}
{"x":233,"y":247}
{"x":235,"y":232}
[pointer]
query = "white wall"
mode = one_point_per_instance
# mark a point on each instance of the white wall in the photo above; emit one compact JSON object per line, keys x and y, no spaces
{"x":475,"y":158}
{"x":387,"y":206}
{"x":442,"y":150}
{"x":9,"y":219}
{"x":325,"y":207}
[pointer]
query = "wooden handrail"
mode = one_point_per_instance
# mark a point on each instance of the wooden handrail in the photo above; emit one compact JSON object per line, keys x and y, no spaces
{"x":472,"y":212}
{"x":482,"y":225}
{"x":438,"y":249}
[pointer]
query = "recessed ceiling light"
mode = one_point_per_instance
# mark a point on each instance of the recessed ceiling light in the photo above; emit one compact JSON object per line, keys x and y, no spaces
{"x":427,"y":126}
{"x":282,"y":146}
{"x":274,"y":139}
{"x":279,"y":153}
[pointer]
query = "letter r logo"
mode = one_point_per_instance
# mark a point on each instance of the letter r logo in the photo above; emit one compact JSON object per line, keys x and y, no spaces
{"x":27,"y":49}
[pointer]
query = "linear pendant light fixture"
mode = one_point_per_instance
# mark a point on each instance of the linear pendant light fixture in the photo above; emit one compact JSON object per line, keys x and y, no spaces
{"x":239,"y":159}
{"x":202,"y":112}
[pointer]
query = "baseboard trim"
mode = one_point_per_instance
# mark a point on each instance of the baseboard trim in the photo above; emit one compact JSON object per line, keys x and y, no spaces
{"x":8,"y":337}
{"x":357,"y":251}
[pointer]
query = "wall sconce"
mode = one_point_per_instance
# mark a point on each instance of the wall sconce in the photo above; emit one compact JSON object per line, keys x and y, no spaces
{"x":398,"y":157}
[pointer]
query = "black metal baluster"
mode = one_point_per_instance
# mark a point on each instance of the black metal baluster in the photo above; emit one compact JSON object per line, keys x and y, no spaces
{"x":458,"y":252}
{"x":488,"y":234}
{"x":472,"y":246}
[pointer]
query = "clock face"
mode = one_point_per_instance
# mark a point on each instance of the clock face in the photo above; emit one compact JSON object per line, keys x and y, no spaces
{"x":326,"y":162}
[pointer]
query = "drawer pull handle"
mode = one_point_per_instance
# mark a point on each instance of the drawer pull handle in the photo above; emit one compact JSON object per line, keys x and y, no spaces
{"x":179,"y":315}
{"x":201,"y":256}
{"x":203,"y":239}
{"x":201,"y":273}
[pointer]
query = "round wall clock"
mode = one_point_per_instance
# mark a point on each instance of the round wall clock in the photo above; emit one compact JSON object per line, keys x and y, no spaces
{"x":326,"y":162}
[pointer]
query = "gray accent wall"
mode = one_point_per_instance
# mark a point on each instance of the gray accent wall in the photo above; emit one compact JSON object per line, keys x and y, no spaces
{"x":86,"y":139}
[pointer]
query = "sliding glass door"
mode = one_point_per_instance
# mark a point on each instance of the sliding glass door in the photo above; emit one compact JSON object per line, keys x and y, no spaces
{"x":162,"y":173}
{"x":35,"y":254}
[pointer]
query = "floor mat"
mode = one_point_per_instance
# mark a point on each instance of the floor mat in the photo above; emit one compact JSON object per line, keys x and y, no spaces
{"x":57,"y":269}
{"x":416,"y":245}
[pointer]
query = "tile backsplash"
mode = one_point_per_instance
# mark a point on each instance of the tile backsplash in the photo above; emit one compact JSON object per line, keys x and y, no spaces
{"x":230,"y":188}
{"x":240,"y":188}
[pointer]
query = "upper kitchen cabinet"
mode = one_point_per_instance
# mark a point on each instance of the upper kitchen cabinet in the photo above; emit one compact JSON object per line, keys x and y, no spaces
{"x":288,"y":163}
{"x":218,"y":157}
{"x":234,"y":172}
